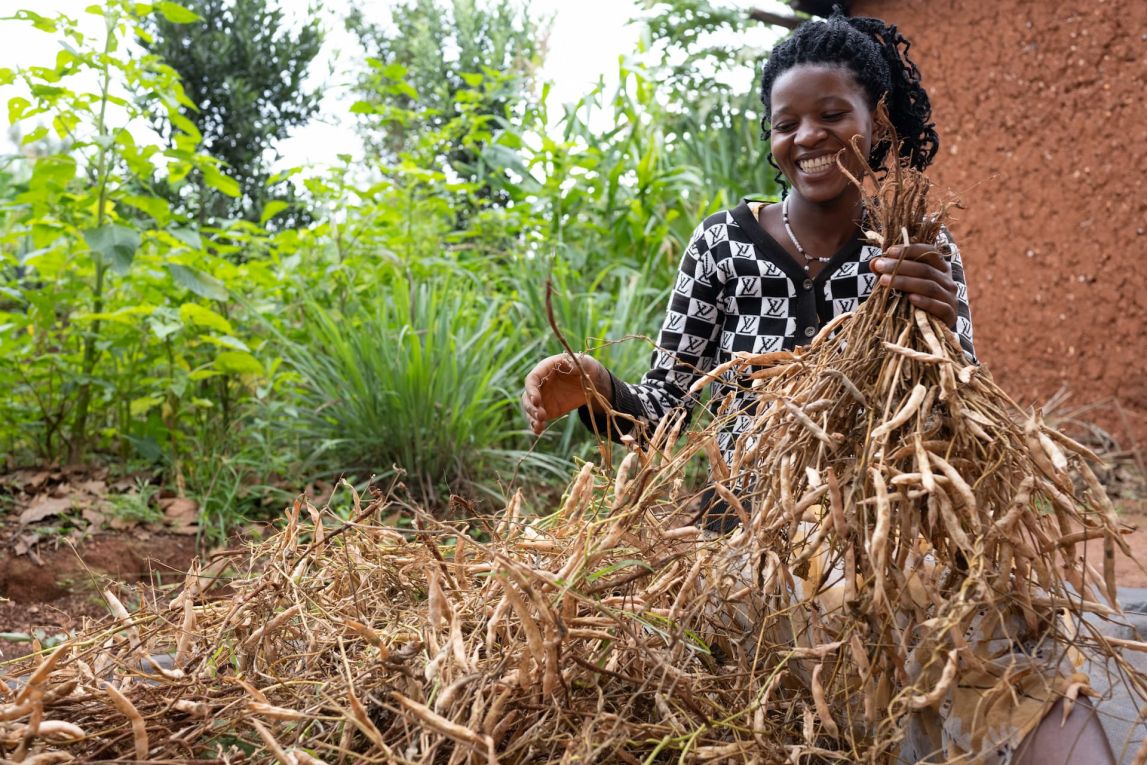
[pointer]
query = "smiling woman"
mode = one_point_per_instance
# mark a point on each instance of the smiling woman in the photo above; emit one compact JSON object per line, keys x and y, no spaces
{"x":767,"y":277}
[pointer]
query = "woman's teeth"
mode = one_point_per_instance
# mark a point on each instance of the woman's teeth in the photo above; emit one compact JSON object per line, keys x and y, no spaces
{"x":816,"y":164}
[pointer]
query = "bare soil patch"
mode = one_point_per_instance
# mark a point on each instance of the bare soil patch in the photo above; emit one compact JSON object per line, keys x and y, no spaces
{"x":53,"y":596}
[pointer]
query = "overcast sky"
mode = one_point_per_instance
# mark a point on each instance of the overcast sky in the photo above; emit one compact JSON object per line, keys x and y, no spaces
{"x":586,"y":39}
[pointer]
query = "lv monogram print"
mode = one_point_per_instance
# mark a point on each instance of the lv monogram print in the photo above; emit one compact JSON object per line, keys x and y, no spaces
{"x":738,"y":290}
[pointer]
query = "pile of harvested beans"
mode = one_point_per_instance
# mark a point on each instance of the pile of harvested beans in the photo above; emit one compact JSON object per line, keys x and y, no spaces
{"x":899,"y":512}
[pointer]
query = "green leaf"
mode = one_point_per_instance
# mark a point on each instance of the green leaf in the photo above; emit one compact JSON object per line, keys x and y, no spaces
{"x":617,"y":567}
{"x":122,"y":316}
{"x":188,"y":236}
{"x":500,"y":156}
{"x":181,"y":96}
{"x":53,"y":91}
{"x":144,"y":404}
{"x":393,"y":71}
{"x":216,"y":179}
{"x":188,"y":127}
{"x":364,"y":107}
{"x":165,"y":329}
{"x":38,"y":134}
{"x":273,"y":208}
{"x":53,"y":171}
{"x":115,"y":244}
{"x":65,"y":124}
{"x":164,"y":323}
{"x":17,"y":106}
{"x":65,"y":59}
{"x":226,"y":341}
{"x":157,"y":207}
{"x":202,"y":284}
{"x":43,"y":23}
{"x":176,"y":13}
{"x":238,"y":362}
{"x":201,"y":316}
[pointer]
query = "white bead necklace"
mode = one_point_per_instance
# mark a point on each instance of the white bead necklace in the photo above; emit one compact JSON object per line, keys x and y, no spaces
{"x":808,"y":259}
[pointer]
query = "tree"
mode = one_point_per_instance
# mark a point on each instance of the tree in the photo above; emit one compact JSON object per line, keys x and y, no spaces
{"x":246,"y":73}
{"x":713,"y":92}
{"x":444,"y":72}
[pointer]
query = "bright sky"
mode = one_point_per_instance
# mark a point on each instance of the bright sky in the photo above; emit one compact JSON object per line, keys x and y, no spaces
{"x":585,"y":41}
{"x":587,"y":37}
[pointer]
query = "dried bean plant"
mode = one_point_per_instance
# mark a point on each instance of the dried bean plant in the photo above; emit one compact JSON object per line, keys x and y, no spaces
{"x":897,"y":507}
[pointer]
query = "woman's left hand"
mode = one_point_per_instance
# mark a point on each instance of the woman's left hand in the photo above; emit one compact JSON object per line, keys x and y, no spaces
{"x":924,"y":275}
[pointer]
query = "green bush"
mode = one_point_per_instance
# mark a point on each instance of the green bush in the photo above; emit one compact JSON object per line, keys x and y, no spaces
{"x":394,"y":329}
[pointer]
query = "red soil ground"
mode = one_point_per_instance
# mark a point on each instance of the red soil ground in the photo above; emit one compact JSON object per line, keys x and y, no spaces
{"x":56,"y":594}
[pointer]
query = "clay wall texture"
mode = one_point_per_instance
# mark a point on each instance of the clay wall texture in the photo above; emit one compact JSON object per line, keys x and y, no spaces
{"x":1042,"y":113}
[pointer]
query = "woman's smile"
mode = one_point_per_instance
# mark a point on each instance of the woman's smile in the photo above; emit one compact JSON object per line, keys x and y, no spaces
{"x":817,"y":165}
{"x":817,"y":109}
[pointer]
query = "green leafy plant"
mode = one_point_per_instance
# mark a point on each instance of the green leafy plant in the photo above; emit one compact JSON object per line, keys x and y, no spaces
{"x":99,"y":274}
{"x":392,"y":325}
{"x":421,"y":377}
{"x":137,"y":506}
{"x":245,"y":70}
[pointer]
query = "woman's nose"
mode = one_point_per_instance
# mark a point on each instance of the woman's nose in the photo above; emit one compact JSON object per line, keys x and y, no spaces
{"x":810,"y":134}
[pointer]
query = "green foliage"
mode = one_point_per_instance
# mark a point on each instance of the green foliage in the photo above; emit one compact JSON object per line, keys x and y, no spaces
{"x":135,"y":506}
{"x":101,"y":277}
{"x":418,"y":376}
{"x":441,"y":76}
{"x":243,"y":72}
{"x":243,"y":358}
{"x":713,"y":106}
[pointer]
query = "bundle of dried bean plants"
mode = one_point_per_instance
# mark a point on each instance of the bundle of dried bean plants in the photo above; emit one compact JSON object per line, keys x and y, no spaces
{"x":895,"y":505}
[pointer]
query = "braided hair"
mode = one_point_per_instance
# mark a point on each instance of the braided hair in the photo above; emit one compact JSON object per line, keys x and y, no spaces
{"x":877,"y":55}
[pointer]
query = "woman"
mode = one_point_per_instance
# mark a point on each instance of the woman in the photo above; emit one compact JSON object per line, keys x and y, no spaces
{"x":765,"y":277}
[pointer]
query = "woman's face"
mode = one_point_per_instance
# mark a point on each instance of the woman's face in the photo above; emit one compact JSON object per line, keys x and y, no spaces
{"x":817,"y":109}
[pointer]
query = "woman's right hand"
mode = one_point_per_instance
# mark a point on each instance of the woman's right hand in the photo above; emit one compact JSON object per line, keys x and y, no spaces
{"x":555,"y":387}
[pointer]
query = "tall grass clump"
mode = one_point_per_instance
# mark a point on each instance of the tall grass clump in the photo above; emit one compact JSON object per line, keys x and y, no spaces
{"x":420,"y":378}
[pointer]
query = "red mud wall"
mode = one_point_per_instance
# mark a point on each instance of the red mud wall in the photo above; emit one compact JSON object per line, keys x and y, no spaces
{"x":1042,"y":113}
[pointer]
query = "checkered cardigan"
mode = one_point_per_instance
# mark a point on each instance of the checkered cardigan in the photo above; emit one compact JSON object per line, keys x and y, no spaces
{"x":738,"y":290}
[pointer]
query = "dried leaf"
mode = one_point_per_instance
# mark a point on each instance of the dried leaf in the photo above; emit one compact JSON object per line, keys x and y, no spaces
{"x":44,"y":506}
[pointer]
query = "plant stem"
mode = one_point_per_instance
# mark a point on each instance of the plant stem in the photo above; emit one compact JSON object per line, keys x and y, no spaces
{"x":79,"y":439}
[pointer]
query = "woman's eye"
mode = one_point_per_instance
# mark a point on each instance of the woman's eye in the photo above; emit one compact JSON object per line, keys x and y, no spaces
{"x":783,"y":127}
{"x":834,"y":116}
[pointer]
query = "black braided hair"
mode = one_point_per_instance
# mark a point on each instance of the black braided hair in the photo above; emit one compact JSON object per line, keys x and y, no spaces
{"x":877,"y":55}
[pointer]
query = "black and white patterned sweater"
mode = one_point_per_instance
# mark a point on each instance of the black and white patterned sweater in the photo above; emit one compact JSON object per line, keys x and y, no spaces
{"x":738,"y":290}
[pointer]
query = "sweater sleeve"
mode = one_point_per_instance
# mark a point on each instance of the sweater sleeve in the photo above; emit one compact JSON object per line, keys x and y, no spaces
{"x":947,"y":245}
{"x":686,"y":346}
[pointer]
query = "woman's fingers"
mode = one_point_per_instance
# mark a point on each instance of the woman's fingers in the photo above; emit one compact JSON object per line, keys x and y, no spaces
{"x":930,"y":284}
{"x":938,"y":308}
{"x":553,"y":388}
{"x":532,"y":399}
{"x":925,"y":275}
{"x":918,"y":252}
{"x":534,"y":411}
